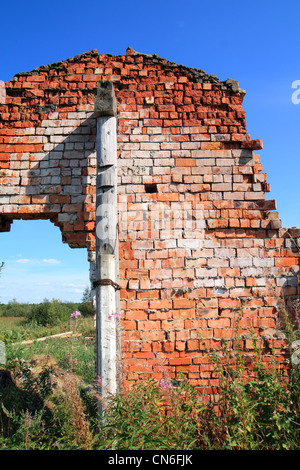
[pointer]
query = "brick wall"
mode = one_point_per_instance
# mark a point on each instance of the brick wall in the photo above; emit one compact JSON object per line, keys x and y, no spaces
{"x":198,"y":238}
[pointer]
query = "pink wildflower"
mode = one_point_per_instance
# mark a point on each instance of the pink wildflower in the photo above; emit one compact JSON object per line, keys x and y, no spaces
{"x":75,"y":314}
{"x":164,"y":384}
{"x":114,"y":315}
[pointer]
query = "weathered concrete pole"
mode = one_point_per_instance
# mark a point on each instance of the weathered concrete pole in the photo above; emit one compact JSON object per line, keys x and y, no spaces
{"x":106,"y":283}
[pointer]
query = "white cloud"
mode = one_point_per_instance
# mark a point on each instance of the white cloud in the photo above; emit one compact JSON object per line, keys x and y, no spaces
{"x":74,"y":285}
{"x":37,"y":262}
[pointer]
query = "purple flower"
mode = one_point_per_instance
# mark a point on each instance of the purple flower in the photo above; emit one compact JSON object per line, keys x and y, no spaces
{"x":75,"y":314}
{"x":164,"y":384}
{"x":114,"y":315}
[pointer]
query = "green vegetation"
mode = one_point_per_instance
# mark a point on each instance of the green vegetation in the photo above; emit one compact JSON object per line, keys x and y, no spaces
{"x":49,"y":400}
{"x":21,"y":322}
{"x":47,"y":312}
{"x":258,"y":407}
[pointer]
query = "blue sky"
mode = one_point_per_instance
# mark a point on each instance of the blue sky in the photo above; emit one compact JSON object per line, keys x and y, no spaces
{"x":38,"y":265}
{"x":254,"y":42}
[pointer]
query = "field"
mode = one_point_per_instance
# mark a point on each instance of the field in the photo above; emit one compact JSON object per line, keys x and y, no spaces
{"x":64,"y":352}
{"x":49,"y":399}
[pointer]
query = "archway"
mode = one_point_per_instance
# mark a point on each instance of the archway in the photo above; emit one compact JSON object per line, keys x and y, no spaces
{"x":38,"y":265}
{"x":42,"y":283}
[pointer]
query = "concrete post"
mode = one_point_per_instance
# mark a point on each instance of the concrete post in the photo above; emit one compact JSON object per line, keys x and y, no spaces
{"x":106,"y":272}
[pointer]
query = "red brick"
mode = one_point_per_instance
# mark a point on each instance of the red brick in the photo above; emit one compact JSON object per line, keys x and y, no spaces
{"x":148,"y":294}
{"x":183,"y":303}
{"x":286,"y":261}
{"x":136,"y":315}
{"x":149,"y":325}
{"x":180,"y":361}
{"x":160,"y":304}
{"x":211,"y":145}
{"x":219,"y":323}
{"x":137,"y":273}
{"x":185,"y":162}
{"x":153,"y":335}
{"x":160,"y":273}
{"x":129,"y":325}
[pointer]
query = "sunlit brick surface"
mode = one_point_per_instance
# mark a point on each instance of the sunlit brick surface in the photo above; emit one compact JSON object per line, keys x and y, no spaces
{"x":198,"y":238}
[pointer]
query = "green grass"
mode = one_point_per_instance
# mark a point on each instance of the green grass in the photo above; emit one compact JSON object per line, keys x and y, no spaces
{"x":260,"y":414}
{"x":75,"y":351}
{"x":10,"y":322}
{"x":17,"y":329}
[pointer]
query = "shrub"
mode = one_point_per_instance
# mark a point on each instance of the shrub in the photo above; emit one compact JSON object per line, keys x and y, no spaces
{"x":138,"y":418}
{"x":50,"y":313}
{"x":71,"y":417}
{"x":15,"y":309}
{"x":86,"y":309}
{"x":259,"y":405}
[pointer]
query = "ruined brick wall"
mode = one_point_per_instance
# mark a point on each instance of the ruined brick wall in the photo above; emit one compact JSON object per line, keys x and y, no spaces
{"x":198,"y":238}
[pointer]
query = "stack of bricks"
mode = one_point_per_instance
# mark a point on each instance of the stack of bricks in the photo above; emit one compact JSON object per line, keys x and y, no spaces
{"x":198,"y":239}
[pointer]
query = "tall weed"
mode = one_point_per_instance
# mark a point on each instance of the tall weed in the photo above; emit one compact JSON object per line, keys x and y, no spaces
{"x":257,"y":407}
{"x":148,"y":417}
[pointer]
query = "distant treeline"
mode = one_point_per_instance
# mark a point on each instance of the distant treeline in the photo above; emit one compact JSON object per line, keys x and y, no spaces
{"x":48,"y":312}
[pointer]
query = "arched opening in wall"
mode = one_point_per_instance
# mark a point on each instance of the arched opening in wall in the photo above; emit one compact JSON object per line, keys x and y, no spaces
{"x":44,"y":343}
{"x":39,"y":265}
{"x":44,"y":284}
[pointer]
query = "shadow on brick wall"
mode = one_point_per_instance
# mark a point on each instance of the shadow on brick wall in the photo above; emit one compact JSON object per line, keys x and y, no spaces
{"x":61,"y":180}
